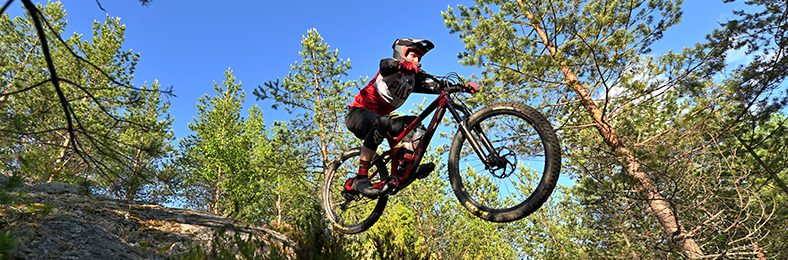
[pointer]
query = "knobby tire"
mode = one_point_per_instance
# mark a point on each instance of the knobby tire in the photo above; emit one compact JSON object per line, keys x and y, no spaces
{"x":358,"y":215}
{"x":532,"y":152}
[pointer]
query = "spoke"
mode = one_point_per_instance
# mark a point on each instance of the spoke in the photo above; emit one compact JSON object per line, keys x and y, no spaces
{"x":506,"y":181}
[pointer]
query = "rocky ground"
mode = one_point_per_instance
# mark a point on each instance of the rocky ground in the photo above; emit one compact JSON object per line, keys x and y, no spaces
{"x":56,"y":221}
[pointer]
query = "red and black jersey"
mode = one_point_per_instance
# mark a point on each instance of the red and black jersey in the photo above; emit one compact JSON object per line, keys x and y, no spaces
{"x":389,"y":89}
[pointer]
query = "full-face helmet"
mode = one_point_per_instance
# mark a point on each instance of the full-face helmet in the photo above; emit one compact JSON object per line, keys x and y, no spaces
{"x":403,"y":46}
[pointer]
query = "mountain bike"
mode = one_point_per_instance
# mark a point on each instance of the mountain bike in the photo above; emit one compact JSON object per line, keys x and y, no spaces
{"x":495,"y":157}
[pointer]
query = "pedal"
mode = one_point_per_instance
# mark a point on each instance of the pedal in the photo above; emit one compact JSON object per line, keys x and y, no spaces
{"x":350,"y":195}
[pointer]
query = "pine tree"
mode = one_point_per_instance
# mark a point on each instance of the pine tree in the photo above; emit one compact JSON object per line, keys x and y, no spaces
{"x":93,"y":88}
{"x":649,"y":137}
{"x":215,"y":159}
{"x":577,"y":56}
{"x":316,"y":92}
{"x":148,"y":148}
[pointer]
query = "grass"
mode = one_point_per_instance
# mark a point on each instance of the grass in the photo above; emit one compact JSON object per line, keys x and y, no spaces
{"x":7,"y":243}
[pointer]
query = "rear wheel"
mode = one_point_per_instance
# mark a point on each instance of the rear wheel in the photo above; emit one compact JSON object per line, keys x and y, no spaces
{"x":348,"y":211}
{"x":523,"y":165}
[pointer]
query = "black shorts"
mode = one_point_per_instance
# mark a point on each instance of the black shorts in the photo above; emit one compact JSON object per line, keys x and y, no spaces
{"x":371,"y":127}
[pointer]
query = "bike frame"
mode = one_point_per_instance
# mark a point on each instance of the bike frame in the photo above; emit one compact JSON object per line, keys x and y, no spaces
{"x":440,"y":105}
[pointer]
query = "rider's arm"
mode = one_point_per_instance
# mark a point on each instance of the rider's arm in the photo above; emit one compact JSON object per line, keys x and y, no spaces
{"x":425,"y":85}
{"x":388,"y":67}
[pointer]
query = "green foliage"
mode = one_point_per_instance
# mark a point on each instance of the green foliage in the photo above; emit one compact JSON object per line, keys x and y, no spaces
{"x":554,"y":54}
{"x":215,"y":159}
{"x":7,"y":243}
{"x":687,"y":131}
{"x":146,"y":150}
{"x":315,"y":91}
{"x":13,"y":181}
{"x":29,"y":114}
{"x":240,"y":168}
{"x":233,"y":246}
{"x":758,"y":30}
{"x":586,"y":64}
{"x":5,"y":198}
{"x":424,"y":221}
{"x":607,"y":35}
{"x":269,"y":158}
{"x":758,"y":119}
{"x":95,"y":79}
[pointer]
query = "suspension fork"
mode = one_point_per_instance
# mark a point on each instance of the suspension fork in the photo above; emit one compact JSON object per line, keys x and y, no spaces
{"x":462,"y":121}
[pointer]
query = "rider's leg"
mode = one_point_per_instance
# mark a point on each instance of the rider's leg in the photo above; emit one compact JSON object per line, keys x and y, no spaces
{"x":361,"y":122}
{"x":379,"y":126}
{"x":361,"y":182}
{"x":364,"y":158}
{"x":366,"y":154}
{"x":371,"y":127}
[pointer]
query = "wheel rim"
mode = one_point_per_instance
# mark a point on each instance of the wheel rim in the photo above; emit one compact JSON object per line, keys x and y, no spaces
{"x":508,"y":181}
{"x":348,"y":210}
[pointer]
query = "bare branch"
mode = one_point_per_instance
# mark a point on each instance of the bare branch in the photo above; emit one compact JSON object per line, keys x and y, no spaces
{"x":5,"y":6}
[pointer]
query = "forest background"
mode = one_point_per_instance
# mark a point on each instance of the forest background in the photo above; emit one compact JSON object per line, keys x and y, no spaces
{"x":674,"y":153}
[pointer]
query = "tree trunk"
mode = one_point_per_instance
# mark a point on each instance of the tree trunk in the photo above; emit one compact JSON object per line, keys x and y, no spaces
{"x":279,"y":208}
{"x":322,"y":141}
{"x":217,"y":192}
{"x":132,"y":186}
{"x":60,"y":162}
{"x":645,"y":187}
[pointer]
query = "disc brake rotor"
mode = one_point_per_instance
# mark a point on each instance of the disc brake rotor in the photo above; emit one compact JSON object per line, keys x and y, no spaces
{"x":504,"y":164}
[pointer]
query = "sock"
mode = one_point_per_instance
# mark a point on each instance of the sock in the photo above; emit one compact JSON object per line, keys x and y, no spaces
{"x":363,"y":169}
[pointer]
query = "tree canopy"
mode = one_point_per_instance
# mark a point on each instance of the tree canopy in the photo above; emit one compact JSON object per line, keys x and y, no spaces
{"x":672,"y":155}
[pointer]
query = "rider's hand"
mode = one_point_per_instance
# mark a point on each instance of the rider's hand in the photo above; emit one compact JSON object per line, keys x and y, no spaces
{"x":408,"y":67}
{"x":471,"y":87}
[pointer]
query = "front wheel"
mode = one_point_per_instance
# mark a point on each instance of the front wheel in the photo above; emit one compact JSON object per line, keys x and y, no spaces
{"x":522,"y":166}
{"x":348,"y":211}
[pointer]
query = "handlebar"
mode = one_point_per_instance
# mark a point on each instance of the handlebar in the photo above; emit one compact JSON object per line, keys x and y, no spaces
{"x":446,"y":82}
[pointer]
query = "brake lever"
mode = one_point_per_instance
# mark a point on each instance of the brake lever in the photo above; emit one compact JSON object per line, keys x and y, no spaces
{"x":442,"y":84}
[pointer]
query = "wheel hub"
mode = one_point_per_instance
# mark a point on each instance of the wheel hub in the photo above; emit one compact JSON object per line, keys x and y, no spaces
{"x":503,"y":164}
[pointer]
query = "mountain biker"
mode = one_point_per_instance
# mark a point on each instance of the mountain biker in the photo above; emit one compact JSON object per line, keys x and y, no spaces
{"x":369,"y":117}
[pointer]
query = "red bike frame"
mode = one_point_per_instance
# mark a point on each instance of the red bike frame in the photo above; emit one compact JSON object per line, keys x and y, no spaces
{"x":442,"y":103}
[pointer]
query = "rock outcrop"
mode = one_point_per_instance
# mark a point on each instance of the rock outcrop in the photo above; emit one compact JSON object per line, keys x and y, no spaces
{"x":55,"y":221}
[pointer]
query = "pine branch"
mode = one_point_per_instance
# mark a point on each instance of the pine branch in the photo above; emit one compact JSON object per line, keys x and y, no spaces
{"x":102,"y":143}
{"x":35,"y":14}
{"x":5,"y":6}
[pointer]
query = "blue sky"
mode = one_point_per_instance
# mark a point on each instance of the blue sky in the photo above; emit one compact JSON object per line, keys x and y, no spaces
{"x":189,"y":44}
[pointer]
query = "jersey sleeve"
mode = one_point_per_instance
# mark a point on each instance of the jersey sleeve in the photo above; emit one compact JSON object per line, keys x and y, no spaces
{"x":388,"y":67}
